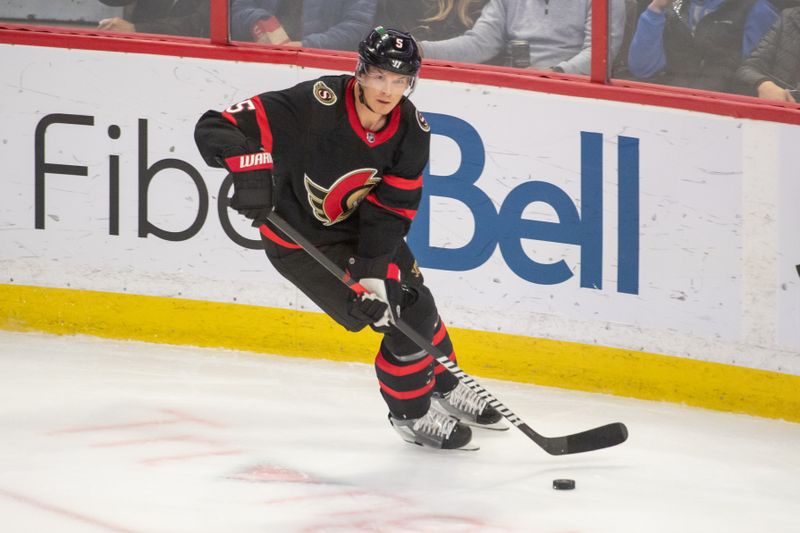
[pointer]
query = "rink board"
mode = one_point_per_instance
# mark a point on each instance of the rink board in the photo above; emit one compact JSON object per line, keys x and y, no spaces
{"x":492,"y":355}
{"x":574,"y":232}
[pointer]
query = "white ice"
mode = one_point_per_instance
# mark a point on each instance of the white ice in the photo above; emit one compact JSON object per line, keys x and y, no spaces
{"x":99,"y":435}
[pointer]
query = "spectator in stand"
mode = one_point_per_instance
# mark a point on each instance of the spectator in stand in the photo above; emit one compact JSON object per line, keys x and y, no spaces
{"x":697,"y":43}
{"x":780,"y":5}
{"x":773,"y":70}
{"x":633,"y":8}
{"x":329,"y":24}
{"x":559,"y":34}
{"x":430,"y":19}
{"x":181,"y":17}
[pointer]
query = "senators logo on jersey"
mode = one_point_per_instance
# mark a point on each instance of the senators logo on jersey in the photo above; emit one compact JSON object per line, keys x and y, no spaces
{"x":338,"y":202}
{"x":423,"y":124}
{"x":324,"y":94}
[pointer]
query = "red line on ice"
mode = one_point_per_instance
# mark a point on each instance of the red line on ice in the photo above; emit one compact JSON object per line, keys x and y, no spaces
{"x":44,"y":506}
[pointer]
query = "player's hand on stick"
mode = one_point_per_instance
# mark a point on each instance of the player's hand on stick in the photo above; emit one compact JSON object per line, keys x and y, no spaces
{"x":380,"y":305}
{"x":252,"y":184}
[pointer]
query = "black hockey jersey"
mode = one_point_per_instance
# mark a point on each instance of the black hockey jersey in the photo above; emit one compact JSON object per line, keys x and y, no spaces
{"x":335,"y":181}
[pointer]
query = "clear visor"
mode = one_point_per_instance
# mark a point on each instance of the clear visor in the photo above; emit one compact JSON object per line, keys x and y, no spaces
{"x":385,"y":81}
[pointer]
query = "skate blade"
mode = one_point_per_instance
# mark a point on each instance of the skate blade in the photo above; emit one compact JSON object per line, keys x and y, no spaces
{"x":469,"y":447}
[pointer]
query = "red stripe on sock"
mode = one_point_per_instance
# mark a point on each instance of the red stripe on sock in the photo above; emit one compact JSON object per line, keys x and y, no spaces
{"x":440,"y":333}
{"x":397,"y":370}
{"x":407,"y":395}
{"x":439,"y":368}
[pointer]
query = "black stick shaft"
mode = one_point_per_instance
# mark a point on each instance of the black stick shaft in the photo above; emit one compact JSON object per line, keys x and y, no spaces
{"x":593,"y":439}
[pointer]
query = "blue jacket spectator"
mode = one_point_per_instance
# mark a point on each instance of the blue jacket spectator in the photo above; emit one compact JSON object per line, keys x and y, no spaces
{"x":697,"y":43}
{"x":328,"y":24}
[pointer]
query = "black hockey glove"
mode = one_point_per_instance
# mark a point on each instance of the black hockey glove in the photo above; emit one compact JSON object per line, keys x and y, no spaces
{"x":252,"y":184}
{"x":380,"y":305}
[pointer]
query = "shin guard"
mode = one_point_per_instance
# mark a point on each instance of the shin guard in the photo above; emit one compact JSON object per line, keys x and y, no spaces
{"x":445,"y":381}
{"x":406,"y":382}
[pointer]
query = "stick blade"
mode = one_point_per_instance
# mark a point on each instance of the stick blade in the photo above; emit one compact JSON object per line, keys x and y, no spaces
{"x":596,"y":439}
{"x":585,"y":441}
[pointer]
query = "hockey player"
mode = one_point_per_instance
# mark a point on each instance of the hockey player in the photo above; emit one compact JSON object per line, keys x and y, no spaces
{"x":341,"y":158}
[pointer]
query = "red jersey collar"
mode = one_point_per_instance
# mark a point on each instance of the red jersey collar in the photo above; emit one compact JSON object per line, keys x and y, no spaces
{"x":370,"y":138}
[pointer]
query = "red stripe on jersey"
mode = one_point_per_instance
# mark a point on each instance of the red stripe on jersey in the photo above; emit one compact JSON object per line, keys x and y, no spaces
{"x":397,"y":370}
{"x":271,"y":235}
{"x":408,"y":395}
{"x":263,"y":125}
{"x":440,"y":333}
{"x":407,"y":213}
{"x":379,"y":137}
{"x":230,"y":118}
{"x":403,"y":183}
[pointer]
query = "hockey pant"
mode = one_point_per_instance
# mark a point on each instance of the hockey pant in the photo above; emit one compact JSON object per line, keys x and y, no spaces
{"x":406,"y":374}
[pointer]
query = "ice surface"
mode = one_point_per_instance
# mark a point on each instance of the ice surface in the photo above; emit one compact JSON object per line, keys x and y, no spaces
{"x":99,"y":435}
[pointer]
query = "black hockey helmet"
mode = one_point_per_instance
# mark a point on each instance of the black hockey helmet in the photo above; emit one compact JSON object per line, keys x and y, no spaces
{"x":391,"y":50}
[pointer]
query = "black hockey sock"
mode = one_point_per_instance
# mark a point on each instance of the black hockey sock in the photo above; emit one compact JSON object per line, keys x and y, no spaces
{"x":445,"y":381}
{"x":406,"y":382}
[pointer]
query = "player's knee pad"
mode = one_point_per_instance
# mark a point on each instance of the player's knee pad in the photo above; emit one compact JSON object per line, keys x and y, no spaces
{"x":418,"y":312}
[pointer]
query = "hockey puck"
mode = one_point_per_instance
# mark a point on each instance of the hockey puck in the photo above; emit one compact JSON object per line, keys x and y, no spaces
{"x":563,"y":484}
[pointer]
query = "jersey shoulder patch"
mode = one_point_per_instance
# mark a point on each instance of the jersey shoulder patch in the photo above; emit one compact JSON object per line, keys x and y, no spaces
{"x":324,"y":94}
{"x":423,"y":124}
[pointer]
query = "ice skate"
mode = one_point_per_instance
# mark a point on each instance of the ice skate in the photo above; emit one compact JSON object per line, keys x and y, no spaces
{"x":435,"y":430}
{"x":465,"y":404}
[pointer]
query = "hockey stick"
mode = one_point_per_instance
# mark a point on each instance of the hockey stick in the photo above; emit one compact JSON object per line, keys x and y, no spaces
{"x":585,"y":441}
